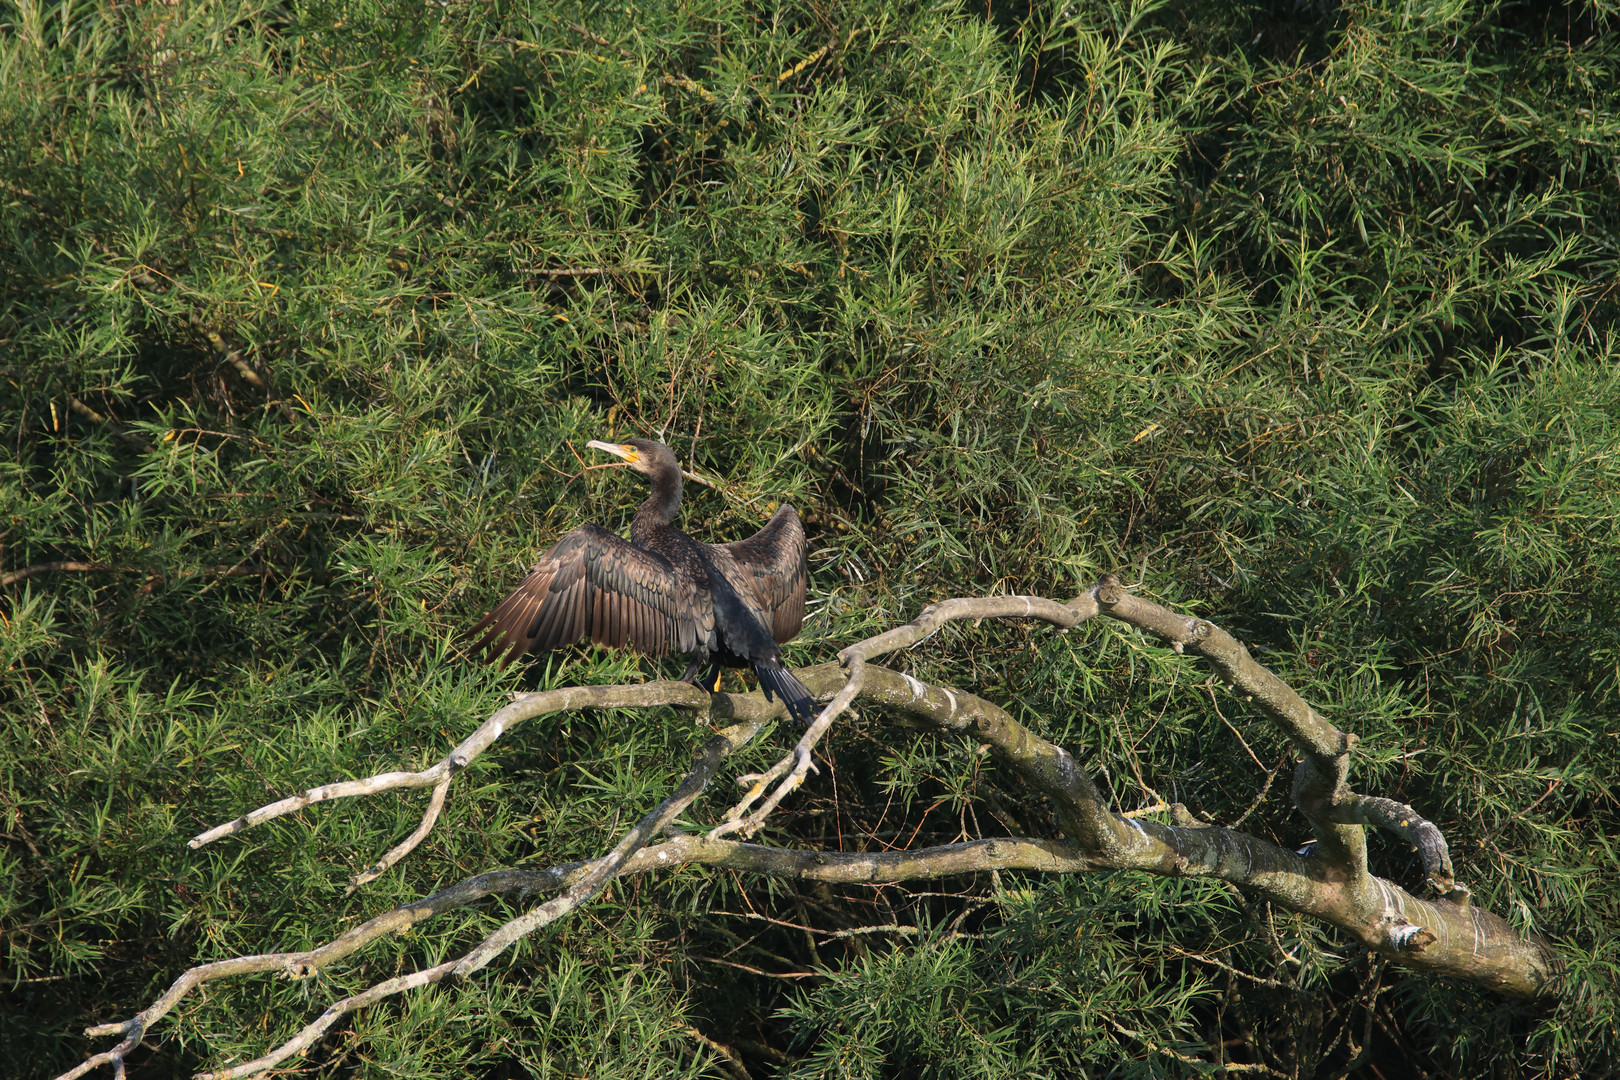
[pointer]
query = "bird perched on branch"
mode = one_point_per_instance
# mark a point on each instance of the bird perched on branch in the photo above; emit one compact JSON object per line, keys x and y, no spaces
{"x":728,"y":605}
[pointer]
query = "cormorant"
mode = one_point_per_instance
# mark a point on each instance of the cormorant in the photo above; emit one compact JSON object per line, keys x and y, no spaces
{"x":659,"y":592}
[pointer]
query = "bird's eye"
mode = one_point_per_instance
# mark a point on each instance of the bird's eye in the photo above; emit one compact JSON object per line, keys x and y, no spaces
{"x":630,"y":454}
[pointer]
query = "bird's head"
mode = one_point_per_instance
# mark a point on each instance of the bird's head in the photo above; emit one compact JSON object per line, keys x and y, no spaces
{"x":642,"y":455}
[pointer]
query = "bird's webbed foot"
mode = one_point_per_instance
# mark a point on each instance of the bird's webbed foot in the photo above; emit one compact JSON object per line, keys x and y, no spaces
{"x":710,"y":682}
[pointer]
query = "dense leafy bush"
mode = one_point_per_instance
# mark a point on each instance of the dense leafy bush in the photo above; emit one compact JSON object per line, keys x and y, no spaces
{"x":1301,"y":314}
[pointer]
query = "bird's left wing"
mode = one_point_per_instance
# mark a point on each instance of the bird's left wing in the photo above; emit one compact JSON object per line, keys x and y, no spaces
{"x":772,"y":563}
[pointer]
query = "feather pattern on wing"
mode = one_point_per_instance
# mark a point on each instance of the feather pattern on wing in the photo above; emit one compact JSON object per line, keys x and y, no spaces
{"x":771,"y":563}
{"x":594,"y":583}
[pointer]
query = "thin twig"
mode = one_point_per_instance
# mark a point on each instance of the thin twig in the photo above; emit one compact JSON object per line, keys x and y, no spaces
{"x":593,"y":271}
{"x":1224,"y":966}
{"x":925,"y":625}
{"x":50,"y":568}
{"x":110,"y":424}
{"x":1265,"y":789}
{"x":758,"y":971}
{"x":1169,"y":1052}
{"x":406,"y":846}
{"x":239,"y":570}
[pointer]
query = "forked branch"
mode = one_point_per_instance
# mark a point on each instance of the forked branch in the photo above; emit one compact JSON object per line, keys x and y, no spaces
{"x":1446,"y":935}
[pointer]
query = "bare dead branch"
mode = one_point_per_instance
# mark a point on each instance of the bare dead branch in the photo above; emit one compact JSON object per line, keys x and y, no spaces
{"x":334,"y":1012}
{"x":1446,"y":937}
{"x":524,"y":708}
{"x":407,"y":845}
{"x":1449,"y":936}
{"x":582,"y":881}
{"x":1012,"y":853}
{"x":810,"y":865}
{"x":797,"y":764}
{"x":592,"y":881}
{"x":50,"y":568}
{"x":1320,"y":778}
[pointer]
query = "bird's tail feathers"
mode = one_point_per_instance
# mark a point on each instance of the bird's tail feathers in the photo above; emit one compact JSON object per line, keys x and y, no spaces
{"x":778,"y":681}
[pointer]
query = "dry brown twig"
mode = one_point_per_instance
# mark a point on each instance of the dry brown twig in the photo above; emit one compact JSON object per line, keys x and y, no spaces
{"x":49,"y":568}
{"x":1444,"y":935}
{"x":110,"y":424}
{"x":152,"y":579}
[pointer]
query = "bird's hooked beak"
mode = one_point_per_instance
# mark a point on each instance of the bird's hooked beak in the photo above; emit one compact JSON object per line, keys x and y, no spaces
{"x":629,"y":453}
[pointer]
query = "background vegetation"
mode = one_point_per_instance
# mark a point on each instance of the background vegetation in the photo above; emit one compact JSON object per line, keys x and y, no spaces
{"x":1300,"y":313}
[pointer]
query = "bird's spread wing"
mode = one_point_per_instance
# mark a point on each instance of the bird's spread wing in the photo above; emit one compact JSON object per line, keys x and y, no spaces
{"x":772,"y":563}
{"x":598,"y":585}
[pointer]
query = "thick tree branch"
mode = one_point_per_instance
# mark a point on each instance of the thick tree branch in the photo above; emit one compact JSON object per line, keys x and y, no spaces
{"x":1449,"y":937}
{"x":1403,"y":821}
{"x":1319,"y":781}
{"x":1229,"y":856}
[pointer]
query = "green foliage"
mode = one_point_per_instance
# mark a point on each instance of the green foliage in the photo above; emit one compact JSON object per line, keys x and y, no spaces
{"x":1303,"y":315}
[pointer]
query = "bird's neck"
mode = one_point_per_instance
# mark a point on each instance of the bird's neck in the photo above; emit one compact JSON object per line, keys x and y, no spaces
{"x":660,"y":507}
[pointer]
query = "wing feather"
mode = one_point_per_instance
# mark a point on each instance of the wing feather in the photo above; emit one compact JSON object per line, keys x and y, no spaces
{"x":579,"y":610}
{"x":523,"y":617}
{"x":598,"y":585}
{"x":772,"y":563}
{"x":548,"y":614}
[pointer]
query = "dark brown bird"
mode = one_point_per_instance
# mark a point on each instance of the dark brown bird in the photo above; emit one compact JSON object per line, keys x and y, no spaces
{"x":728,"y":605}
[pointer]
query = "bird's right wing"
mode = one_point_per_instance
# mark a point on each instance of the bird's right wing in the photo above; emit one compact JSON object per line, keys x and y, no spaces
{"x":598,"y":585}
{"x":772,"y":562}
